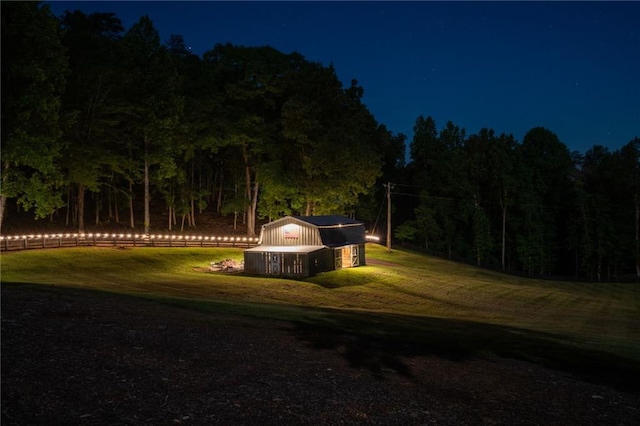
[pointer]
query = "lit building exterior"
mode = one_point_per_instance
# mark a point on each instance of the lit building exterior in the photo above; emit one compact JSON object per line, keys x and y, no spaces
{"x":302,"y":246}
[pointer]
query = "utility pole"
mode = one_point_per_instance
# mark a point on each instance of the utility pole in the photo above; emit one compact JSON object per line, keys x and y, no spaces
{"x":388,"y":186}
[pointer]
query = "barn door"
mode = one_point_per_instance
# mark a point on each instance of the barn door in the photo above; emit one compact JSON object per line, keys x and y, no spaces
{"x":274,"y":259}
{"x":297,"y":265}
{"x":338,"y":258}
{"x":355,"y":256}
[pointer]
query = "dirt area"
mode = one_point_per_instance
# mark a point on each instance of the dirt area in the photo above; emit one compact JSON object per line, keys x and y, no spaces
{"x":85,"y":358}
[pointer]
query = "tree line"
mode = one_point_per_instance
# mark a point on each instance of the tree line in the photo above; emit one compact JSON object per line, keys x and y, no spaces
{"x":99,"y":121}
{"x":533,"y":207}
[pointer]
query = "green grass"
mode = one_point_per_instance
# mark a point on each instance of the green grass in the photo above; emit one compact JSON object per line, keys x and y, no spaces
{"x":417,"y":300}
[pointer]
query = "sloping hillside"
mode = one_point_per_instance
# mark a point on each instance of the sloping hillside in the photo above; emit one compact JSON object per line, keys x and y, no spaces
{"x":72,"y":356}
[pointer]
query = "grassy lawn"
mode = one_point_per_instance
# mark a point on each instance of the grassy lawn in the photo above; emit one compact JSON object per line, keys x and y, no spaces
{"x":400,"y":297}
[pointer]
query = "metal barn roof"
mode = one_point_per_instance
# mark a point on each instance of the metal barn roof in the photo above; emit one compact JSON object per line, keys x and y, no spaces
{"x":330,"y":220}
{"x":286,"y":249}
{"x":337,"y":230}
{"x":332,"y":231}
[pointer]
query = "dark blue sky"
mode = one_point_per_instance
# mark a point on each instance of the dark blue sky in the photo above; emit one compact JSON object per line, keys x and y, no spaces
{"x":572,"y":67}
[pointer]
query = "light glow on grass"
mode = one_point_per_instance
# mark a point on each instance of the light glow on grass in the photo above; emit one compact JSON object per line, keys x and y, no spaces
{"x":397,"y":283}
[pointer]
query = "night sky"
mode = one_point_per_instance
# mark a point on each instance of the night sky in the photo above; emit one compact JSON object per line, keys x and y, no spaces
{"x":572,"y":67}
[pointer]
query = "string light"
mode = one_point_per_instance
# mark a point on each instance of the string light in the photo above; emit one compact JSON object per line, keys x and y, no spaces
{"x":134,"y":237}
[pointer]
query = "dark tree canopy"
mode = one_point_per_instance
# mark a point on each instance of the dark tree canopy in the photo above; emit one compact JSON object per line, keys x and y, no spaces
{"x":102,"y":123}
{"x":34,"y":72}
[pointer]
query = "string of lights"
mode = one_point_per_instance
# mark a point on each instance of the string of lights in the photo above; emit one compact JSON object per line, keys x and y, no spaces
{"x":112,"y":238}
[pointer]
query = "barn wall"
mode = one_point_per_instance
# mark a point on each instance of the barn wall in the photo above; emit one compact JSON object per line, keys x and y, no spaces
{"x":290,"y":232}
{"x":294,"y":264}
{"x":363,"y":257}
{"x":254,"y":262}
{"x":299,"y":265}
{"x":321,"y":261}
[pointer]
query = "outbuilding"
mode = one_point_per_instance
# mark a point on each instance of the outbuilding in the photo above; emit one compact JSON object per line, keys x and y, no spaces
{"x":302,"y":246}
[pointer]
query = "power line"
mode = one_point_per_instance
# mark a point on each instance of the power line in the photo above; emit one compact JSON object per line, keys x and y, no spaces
{"x":509,"y":204}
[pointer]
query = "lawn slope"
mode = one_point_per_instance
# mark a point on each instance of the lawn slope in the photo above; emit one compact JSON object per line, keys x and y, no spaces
{"x":400,"y":297}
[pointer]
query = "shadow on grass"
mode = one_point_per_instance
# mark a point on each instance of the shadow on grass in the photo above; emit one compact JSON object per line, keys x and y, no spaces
{"x":340,"y":279}
{"x":380,"y":343}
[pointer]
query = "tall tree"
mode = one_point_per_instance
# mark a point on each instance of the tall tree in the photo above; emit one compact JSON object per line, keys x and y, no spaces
{"x":438,"y":170}
{"x":594,"y":231}
{"x":328,"y":127}
{"x":425,"y":149}
{"x":91,"y":42}
{"x":504,"y":183}
{"x":478,"y":196}
{"x":544,"y":197}
{"x":151,"y":105}
{"x":490,"y":164}
{"x":250,"y":83}
{"x":451,"y":186}
{"x":196,"y":135}
{"x":34,"y":70}
{"x":629,"y":157}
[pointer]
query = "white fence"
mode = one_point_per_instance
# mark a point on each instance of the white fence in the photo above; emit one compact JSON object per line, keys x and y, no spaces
{"x":42,"y":241}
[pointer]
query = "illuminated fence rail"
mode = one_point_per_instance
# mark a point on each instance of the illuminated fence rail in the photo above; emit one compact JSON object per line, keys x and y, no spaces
{"x":41,"y":241}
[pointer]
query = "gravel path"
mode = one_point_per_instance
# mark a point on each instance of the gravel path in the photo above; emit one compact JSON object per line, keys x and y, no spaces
{"x":84,"y":358}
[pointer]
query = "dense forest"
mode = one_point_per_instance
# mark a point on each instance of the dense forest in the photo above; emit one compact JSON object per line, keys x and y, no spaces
{"x":102,"y":123}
